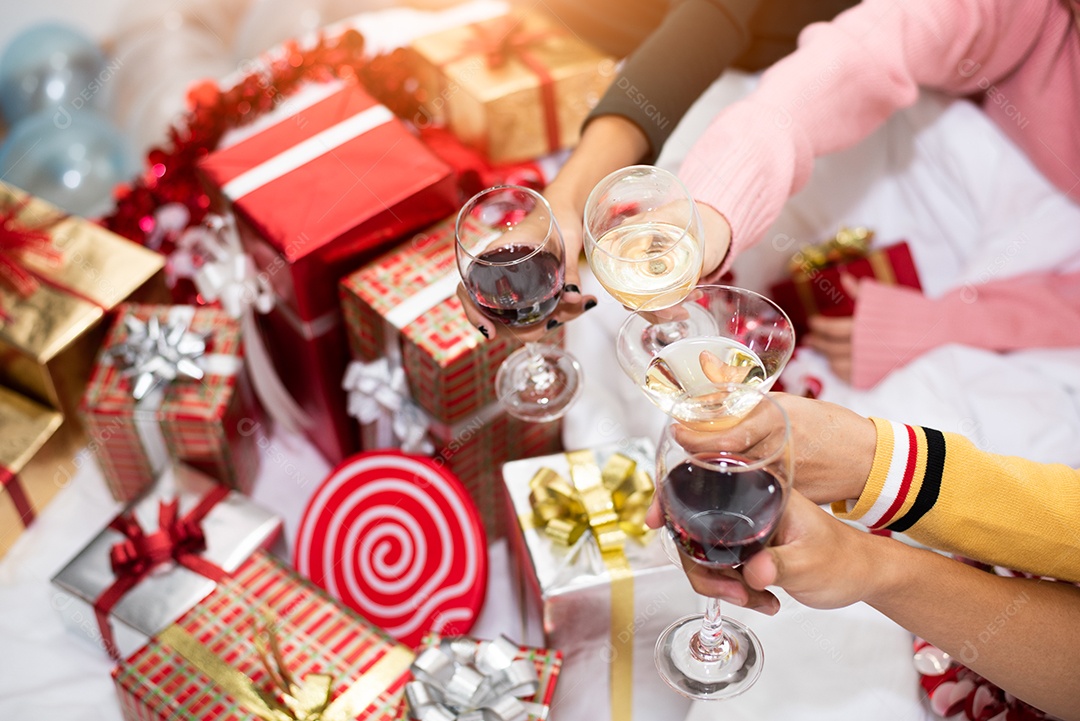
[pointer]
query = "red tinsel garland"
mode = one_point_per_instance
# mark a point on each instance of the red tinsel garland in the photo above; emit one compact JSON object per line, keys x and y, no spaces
{"x":171,"y":176}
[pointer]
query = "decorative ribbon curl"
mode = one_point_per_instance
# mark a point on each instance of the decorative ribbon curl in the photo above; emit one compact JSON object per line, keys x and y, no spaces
{"x":379,"y":390}
{"x":212,"y":256}
{"x":848,"y":244}
{"x":611,"y":503}
{"x":18,"y":242}
{"x":307,"y":700}
{"x":156,"y":355}
{"x":466,"y":680}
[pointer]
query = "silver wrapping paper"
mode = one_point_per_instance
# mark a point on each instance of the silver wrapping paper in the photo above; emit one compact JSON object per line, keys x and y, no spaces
{"x":566,"y":602}
{"x":234,"y":529}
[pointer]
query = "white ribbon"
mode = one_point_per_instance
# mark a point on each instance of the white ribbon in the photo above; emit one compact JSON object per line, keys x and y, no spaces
{"x":228,"y":275}
{"x":378,"y":391}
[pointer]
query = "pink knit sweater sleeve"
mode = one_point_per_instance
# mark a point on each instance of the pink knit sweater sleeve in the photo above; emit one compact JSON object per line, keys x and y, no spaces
{"x":1030,"y":311}
{"x":847,"y":77}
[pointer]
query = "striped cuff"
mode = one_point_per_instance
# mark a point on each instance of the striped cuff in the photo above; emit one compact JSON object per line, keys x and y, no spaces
{"x":905,"y":478}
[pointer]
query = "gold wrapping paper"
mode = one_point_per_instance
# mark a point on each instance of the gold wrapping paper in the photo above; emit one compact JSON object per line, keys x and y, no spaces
{"x":497,"y":107}
{"x":48,"y":347}
{"x":300,"y":698}
{"x":29,"y":451}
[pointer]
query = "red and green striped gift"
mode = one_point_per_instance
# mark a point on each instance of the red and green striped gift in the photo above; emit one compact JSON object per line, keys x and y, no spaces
{"x":405,"y":300}
{"x":205,"y":423}
{"x":213,"y":662}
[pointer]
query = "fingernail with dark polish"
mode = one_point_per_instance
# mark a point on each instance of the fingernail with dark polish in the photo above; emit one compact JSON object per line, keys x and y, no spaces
{"x":483,"y":331}
{"x":571,"y":288}
{"x":590,"y":304}
{"x":553,"y":323}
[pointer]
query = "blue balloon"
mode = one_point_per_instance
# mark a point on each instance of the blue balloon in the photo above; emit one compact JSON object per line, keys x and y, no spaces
{"x":74,"y":164}
{"x":51,"y":66}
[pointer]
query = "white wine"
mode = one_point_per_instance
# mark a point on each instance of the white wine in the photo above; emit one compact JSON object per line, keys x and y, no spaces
{"x":647,"y":266}
{"x":684,"y":380}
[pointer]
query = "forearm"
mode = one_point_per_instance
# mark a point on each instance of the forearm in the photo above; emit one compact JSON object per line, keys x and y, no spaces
{"x":943,"y":491}
{"x":608,"y":143}
{"x":1022,"y":635}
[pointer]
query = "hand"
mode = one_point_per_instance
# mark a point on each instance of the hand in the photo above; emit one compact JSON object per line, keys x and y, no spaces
{"x":831,"y":336}
{"x":818,"y":560}
{"x":717,"y":238}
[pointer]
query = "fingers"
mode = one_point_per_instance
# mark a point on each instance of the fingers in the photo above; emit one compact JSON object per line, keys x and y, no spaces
{"x":832,"y":338}
{"x":565,"y":312}
{"x":729,"y":586}
{"x":654,"y":517}
{"x":831,"y":328}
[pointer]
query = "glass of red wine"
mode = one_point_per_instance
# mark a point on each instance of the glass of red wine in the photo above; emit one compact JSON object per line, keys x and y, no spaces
{"x":511,"y":258}
{"x":721,"y":494}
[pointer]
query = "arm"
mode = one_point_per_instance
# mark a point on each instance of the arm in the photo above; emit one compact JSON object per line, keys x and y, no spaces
{"x":940,"y":489}
{"x":844,"y":81}
{"x":1020,"y":634}
{"x":893,"y":325}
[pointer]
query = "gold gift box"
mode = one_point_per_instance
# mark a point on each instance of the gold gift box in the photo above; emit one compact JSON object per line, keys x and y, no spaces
{"x":484,"y":82}
{"x":48,"y":347}
{"x":29,"y":451}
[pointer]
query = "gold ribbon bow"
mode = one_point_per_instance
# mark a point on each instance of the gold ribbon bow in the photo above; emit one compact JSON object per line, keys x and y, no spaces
{"x":288,"y":699}
{"x":848,"y":244}
{"x":611,"y":502}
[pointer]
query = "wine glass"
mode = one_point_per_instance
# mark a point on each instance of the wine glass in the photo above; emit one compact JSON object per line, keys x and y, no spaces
{"x":721,"y":501}
{"x":643,"y":237}
{"x":728,"y":335}
{"x":510,"y":255}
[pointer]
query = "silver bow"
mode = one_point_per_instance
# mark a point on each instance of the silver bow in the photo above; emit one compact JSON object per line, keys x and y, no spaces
{"x":466,"y":680}
{"x":378,"y":390}
{"x":156,"y":355}
{"x":212,"y":256}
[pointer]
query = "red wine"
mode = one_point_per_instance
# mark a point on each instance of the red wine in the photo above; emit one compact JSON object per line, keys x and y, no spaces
{"x":518,"y":294}
{"x":721,"y":518}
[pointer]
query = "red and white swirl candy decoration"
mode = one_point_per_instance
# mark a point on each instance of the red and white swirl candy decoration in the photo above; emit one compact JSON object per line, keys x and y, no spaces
{"x":397,"y":538}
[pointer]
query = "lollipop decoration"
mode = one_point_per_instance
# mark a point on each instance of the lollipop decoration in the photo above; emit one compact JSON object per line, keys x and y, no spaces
{"x":396,"y":538}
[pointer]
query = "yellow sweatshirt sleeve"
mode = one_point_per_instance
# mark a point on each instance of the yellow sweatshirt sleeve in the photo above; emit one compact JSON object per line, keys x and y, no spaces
{"x":941,"y":490}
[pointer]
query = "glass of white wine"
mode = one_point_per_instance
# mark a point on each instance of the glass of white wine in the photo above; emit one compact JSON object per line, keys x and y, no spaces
{"x":731,"y":336}
{"x":643,"y":237}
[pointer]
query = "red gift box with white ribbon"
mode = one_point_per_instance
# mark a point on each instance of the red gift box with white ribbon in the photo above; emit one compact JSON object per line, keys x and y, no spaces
{"x":317,"y":187}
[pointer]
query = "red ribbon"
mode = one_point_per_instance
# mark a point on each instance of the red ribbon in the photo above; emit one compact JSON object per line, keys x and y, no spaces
{"x":19,"y":241}
{"x":9,"y":481}
{"x":177,"y":539}
{"x":502,"y":39}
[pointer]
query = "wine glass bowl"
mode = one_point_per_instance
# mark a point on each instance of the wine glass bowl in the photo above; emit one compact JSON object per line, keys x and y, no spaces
{"x":721,"y":496}
{"x":510,"y":255}
{"x":724,"y":335}
{"x":643,"y":237}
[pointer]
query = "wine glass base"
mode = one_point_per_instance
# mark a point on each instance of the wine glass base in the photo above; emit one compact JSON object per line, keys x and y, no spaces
{"x":708,"y":680}
{"x":538,"y":383}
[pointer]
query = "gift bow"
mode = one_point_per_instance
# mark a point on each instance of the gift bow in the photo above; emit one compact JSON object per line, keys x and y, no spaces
{"x":306,"y":700}
{"x":19,"y":241}
{"x":156,"y":355}
{"x":213,"y":257}
{"x":379,"y":389}
{"x":177,"y":539}
{"x":466,"y":680}
{"x":501,"y":39}
{"x":611,"y":502}
{"x":848,"y":244}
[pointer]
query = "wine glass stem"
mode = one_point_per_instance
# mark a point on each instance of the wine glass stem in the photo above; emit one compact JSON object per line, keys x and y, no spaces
{"x":540,"y":374}
{"x":710,"y":643}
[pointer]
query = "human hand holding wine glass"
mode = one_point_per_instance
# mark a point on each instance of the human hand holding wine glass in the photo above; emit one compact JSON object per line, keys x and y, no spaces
{"x":720,"y":507}
{"x":510,"y":255}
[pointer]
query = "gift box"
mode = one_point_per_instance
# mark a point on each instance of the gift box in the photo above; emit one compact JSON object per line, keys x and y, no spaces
{"x":265,"y":645}
{"x":158,"y":559}
{"x":814,"y":286}
{"x":456,"y":676}
{"x":61,"y":276}
{"x":29,"y":451}
{"x":515,"y":87}
{"x":406,"y":324}
{"x":317,"y":186}
{"x":594,"y":583}
{"x":170,"y":383}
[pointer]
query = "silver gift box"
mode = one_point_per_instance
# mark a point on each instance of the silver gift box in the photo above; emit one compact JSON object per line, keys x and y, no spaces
{"x":234,"y":529}
{"x":566,"y":597}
